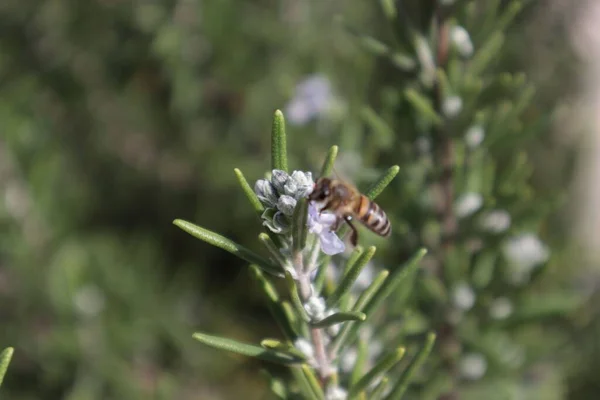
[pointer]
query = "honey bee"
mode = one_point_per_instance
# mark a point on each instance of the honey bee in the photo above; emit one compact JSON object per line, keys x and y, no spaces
{"x":347,"y":203}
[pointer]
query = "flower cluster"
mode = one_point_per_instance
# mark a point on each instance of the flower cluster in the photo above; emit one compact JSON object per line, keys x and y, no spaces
{"x":280,"y":195}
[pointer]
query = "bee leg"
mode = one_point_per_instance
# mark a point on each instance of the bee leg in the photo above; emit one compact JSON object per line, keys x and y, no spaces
{"x":354,"y":234}
{"x":325,"y":207}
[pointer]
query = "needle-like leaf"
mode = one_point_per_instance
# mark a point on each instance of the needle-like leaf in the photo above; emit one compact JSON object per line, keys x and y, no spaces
{"x":350,"y":277}
{"x":249,"y":192}
{"x":278,"y":143}
{"x":329,"y":161}
{"x":379,"y":369}
{"x":295,"y":297}
{"x":364,"y":298}
{"x":379,"y":390}
{"x":313,"y":381}
{"x":278,"y":310}
{"x":228,"y":245}
{"x":338,"y":318}
{"x":378,"y":187}
{"x":247,"y":349}
{"x":299,"y":226}
{"x":400,"y":387}
{"x":5,"y":358}
{"x":378,"y":296}
{"x":423,"y":106}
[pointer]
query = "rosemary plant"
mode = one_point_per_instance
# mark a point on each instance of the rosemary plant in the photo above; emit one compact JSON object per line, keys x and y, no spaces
{"x":320,"y":323}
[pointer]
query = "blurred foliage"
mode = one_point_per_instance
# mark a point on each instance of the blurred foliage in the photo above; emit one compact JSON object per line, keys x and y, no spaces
{"x":120,"y":117}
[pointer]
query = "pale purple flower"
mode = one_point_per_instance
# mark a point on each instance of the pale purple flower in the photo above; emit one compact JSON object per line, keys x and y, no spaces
{"x":313,"y":97}
{"x":321,"y":225}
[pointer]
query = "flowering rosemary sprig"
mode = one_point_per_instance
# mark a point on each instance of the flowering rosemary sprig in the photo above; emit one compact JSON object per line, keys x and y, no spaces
{"x":300,"y":242}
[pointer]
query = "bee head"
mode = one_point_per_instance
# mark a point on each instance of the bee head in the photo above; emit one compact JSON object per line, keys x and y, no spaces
{"x":321,"y":191}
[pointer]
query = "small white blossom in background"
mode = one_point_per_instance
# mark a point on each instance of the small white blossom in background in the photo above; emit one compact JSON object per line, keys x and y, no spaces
{"x":524,"y":253}
{"x":474,"y":136}
{"x":462,"y":41}
{"x":315,"y":308}
{"x":336,"y":393}
{"x":321,"y":224}
{"x":495,"y":221}
{"x":473,"y":366}
{"x":348,"y":359}
{"x":467,"y":204}
{"x":452,"y":106}
{"x":463,"y":296}
{"x":305,"y":348}
{"x":89,"y":301}
{"x":313,"y":97}
{"x":501,"y":308}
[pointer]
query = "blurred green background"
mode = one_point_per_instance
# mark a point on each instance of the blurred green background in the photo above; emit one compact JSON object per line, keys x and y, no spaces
{"x":118,"y":117}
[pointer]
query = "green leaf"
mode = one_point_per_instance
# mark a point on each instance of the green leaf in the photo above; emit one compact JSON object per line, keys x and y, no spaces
{"x":5,"y":358}
{"x":379,"y":369}
{"x":509,"y":15}
{"x":389,"y":9}
{"x":400,"y":387}
{"x":266,"y":240}
{"x":246,"y":349}
{"x":423,"y":105}
{"x":350,"y":277}
{"x":379,"y":295}
{"x":361,"y":361}
{"x":379,"y":390}
{"x":338,"y":318}
{"x":299,"y":225}
{"x":277,"y":345}
{"x":383,"y":181}
{"x":228,"y":245}
{"x":535,"y":307}
{"x":284,"y":319}
{"x":381,"y":131}
{"x":303,"y":384}
{"x":295,"y":297}
{"x":321,"y":273}
{"x":364,"y":298}
{"x":254,"y":201}
{"x":278,"y":143}
{"x":313,"y":382}
{"x":483,"y":57}
{"x":329,"y":161}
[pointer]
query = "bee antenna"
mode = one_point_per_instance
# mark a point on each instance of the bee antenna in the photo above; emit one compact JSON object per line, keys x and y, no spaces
{"x":335,"y":172}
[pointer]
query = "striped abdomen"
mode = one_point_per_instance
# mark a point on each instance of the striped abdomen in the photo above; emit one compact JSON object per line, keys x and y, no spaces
{"x":373,"y":217}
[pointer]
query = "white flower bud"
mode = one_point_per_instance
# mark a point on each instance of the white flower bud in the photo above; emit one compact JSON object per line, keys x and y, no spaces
{"x":501,"y":308}
{"x":463,"y":296}
{"x":265,"y":192}
{"x":496,"y":221}
{"x":279,"y":179}
{"x":290,"y":188}
{"x":452,"y":106}
{"x":474,"y":136}
{"x":467,"y":204}
{"x":473,"y":366}
{"x":304,"y":183}
{"x":336,"y":393}
{"x":286,"y":204}
{"x":462,"y":41}
{"x":524,"y":253}
{"x":315,"y":308}
{"x":305,"y":347}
